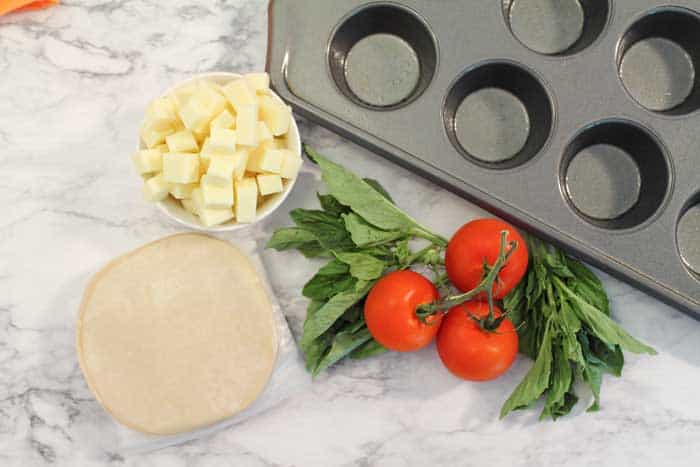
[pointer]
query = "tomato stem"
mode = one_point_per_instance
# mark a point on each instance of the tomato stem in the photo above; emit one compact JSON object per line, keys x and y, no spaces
{"x":485,"y":286}
{"x":422,"y":232}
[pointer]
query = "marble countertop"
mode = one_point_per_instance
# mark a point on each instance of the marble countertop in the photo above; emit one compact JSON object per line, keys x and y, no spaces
{"x":74,"y":81}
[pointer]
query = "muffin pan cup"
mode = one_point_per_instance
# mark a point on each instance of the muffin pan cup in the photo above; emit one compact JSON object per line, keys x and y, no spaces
{"x":552,"y":120}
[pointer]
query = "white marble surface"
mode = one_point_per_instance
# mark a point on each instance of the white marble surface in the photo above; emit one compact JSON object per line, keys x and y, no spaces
{"x":73,"y":84}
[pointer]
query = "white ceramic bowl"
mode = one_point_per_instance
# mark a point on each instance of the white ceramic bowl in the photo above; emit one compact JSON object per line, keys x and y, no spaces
{"x":173,"y":209}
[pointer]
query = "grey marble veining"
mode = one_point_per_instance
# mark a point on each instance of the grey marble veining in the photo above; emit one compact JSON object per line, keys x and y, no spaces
{"x":74,"y":81}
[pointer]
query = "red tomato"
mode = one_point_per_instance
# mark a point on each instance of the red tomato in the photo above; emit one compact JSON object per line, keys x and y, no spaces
{"x":477,"y":242}
{"x":472,"y":353}
{"x":390,"y":311}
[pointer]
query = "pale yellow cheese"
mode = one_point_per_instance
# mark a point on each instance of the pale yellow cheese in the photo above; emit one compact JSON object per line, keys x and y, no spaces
{"x":246,"y":199}
{"x":263,"y":133}
{"x":247,"y":125}
{"x":182,"y":94}
{"x":211,"y":216}
{"x":222,"y":167}
{"x":148,"y":161}
{"x":182,"y":190}
{"x":291,"y":163}
{"x":201,"y":108}
{"x":189,"y":205}
{"x":258,"y":82}
{"x":182,"y":141}
{"x":241,"y":163}
{"x":275,"y":115}
{"x":216,"y":195}
{"x":239,"y":94}
{"x":222,"y":141}
{"x":269,"y":184}
{"x":156,"y":188}
{"x":180,"y":167}
{"x":223,"y":120}
{"x":163,"y":148}
{"x":153,"y":137}
{"x":160,"y":114}
{"x":267,"y":160}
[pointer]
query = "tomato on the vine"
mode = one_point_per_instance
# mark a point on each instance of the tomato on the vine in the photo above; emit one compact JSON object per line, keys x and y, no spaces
{"x":473,"y":353}
{"x":390,"y":311}
{"x":477,"y":244}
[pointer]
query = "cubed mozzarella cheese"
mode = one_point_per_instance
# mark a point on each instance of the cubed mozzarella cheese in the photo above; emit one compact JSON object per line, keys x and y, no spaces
{"x":182,"y":190}
{"x":221,"y":168}
{"x":201,"y":108}
{"x":160,"y":114}
{"x":182,"y":94}
{"x":291,"y":163}
{"x":215,"y":195}
{"x":269,"y":184}
{"x":247,"y":125}
{"x":182,"y":141}
{"x":180,"y":167}
{"x":242,"y":156}
{"x":223,"y":120}
{"x":211,"y":216}
{"x":258,"y":82}
{"x":163,"y":148}
{"x":156,"y":188}
{"x":266,"y":160}
{"x":239,"y":94}
{"x":153,"y":137}
{"x":222,"y":141}
{"x":246,"y":199}
{"x":148,"y":161}
{"x":190,"y":206}
{"x":263,"y":133}
{"x":275,"y":114}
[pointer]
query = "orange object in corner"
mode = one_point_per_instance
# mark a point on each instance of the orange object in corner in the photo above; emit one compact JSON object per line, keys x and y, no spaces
{"x":7,"y":6}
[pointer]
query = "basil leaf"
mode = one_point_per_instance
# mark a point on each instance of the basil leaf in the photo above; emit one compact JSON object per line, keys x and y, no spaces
{"x":536,"y":380}
{"x":367,"y":350}
{"x":559,"y":385}
{"x":378,"y":186}
{"x":290,"y":237}
{"x":364,"y":234}
{"x":362,"y":198}
{"x":323,"y":287}
{"x":315,"y":351}
{"x":362,"y":266}
{"x":602,"y":326}
{"x":611,"y":358}
{"x":593,"y":376}
{"x":320,"y":321}
{"x":331,"y":205}
{"x":343,"y":343}
{"x":329,"y":230}
{"x":314,"y":250}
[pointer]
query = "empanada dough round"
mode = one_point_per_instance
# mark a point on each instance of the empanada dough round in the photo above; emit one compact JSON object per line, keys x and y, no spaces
{"x":176,"y":335}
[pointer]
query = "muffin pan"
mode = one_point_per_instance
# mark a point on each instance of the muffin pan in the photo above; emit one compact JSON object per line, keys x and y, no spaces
{"x":577,"y":119}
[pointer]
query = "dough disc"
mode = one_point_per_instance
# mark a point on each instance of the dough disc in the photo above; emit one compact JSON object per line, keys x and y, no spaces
{"x":176,"y":335}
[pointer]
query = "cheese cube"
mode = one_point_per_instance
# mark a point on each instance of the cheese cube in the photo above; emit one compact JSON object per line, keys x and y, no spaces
{"x":223,"y":120}
{"x":222,"y":141}
{"x":258,"y":82}
{"x":263,"y":133}
{"x":275,"y":114}
{"x":190,"y":206}
{"x":221,"y":168}
{"x":180,"y":167}
{"x":269,"y":184}
{"x":160,"y":114}
{"x":246,"y":199}
{"x":239,"y":94}
{"x":197,"y":199}
{"x":153,"y":137}
{"x":247,"y":125}
{"x":291,"y":163}
{"x":215,"y":195}
{"x":148,"y":161}
{"x":216,"y":87}
{"x":182,"y":141}
{"x":182,"y":190}
{"x":205,"y":154}
{"x":182,"y":94}
{"x":163,"y":148}
{"x":201,"y":108}
{"x":241,"y":163}
{"x":156,"y":188}
{"x":280,"y":143}
{"x":210,"y":217}
{"x":267,"y":160}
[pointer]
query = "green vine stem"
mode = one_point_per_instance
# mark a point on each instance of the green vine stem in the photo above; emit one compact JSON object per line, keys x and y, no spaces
{"x":485,"y":286}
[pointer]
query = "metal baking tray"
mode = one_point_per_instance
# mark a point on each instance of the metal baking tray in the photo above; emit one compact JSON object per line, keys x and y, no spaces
{"x":576,"y":120}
